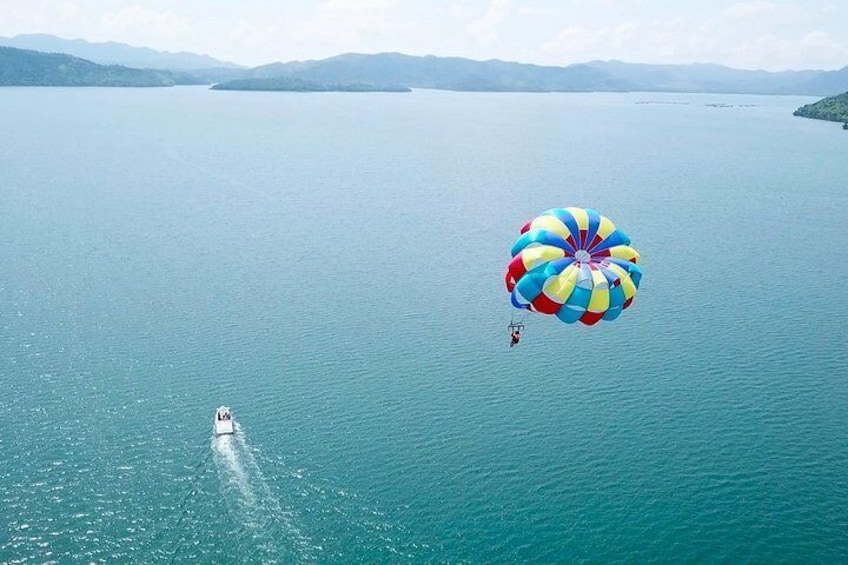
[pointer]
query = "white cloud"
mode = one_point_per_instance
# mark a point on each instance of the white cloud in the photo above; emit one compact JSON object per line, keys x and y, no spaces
{"x":47,"y":16}
{"x":578,"y":43}
{"x":135,"y":23}
{"x":682,"y":41}
{"x":812,"y":49}
{"x":571,"y":40}
{"x":754,"y":8}
{"x":765,"y":15}
{"x":829,"y":9}
{"x":534,"y":9}
{"x":771,"y":34}
{"x":460,"y":11}
{"x":346,"y":21}
{"x":247,"y":37}
{"x":66,"y":10}
{"x":485,"y":28}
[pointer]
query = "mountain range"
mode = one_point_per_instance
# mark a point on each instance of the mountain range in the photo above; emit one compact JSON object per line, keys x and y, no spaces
{"x":22,"y":67}
{"x":111,"y":53}
{"x":396,"y":70}
{"x":446,"y":73}
{"x":449,"y":73}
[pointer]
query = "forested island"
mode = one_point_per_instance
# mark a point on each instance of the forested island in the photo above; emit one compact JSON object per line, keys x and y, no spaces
{"x":833,"y":109}
{"x":21,"y":67}
{"x":292,"y":84}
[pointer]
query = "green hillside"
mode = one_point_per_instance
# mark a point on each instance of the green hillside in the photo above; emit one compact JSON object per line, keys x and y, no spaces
{"x":833,"y":109}
{"x":20,"y":67}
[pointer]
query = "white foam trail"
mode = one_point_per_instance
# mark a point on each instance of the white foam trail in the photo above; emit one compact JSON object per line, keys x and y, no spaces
{"x":267,"y":522}
{"x":236,"y":475}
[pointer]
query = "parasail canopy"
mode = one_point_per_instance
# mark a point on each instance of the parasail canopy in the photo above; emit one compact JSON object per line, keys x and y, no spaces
{"x":573,"y":263}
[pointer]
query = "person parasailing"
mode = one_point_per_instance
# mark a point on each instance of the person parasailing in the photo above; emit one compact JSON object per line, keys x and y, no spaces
{"x":515,"y":328}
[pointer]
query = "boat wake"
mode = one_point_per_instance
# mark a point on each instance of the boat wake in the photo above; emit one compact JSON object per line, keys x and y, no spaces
{"x":268,"y":531}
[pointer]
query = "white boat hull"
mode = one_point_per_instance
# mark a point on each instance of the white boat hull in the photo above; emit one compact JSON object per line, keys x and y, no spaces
{"x":223,"y":427}
{"x":223,"y":421}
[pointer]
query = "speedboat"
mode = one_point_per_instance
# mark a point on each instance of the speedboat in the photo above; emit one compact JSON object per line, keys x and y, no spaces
{"x":223,"y":421}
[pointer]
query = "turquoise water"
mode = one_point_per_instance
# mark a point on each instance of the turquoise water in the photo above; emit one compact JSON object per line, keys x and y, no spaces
{"x":331,"y":267}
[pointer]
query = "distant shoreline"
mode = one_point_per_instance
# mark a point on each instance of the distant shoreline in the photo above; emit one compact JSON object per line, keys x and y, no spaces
{"x":291,"y":84}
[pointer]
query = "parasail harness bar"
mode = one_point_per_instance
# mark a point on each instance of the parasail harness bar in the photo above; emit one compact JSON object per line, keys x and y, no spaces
{"x":515,"y":325}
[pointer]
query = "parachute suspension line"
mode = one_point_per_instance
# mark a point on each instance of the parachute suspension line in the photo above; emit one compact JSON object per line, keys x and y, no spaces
{"x":515,"y":323}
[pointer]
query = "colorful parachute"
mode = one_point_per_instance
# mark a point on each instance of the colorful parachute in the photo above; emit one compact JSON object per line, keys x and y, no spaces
{"x":575,"y":264}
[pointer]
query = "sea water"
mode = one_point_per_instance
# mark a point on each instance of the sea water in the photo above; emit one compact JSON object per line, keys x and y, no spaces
{"x":331,"y":266}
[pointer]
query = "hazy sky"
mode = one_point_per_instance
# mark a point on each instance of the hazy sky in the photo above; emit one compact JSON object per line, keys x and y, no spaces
{"x":768,"y":34}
